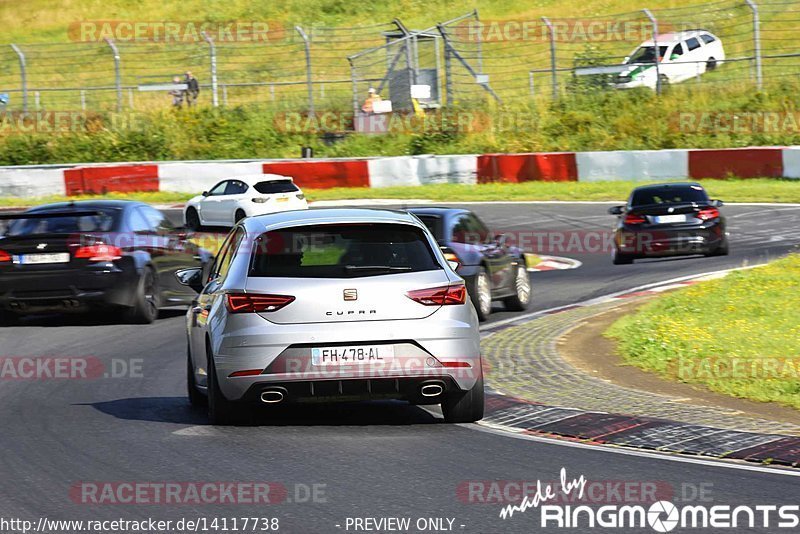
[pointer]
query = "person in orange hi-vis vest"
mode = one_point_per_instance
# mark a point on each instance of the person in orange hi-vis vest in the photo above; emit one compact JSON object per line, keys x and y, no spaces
{"x":369,"y":103}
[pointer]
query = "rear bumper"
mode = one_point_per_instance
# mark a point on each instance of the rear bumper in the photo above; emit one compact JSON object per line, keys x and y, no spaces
{"x":323,"y":391}
{"x":444,"y":347}
{"x":36,"y":291}
{"x":669,"y":242}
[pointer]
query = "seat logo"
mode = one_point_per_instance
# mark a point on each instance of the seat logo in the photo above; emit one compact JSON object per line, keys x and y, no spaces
{"x":350,"y":294}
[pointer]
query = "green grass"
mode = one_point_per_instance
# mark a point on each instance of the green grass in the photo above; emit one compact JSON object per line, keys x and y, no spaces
{"x":738,"y":335}
{"x":750,"y":190}
{"x":45,"y":20}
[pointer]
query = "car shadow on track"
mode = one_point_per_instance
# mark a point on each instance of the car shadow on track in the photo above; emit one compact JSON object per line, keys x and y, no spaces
{"x":176,"y":410}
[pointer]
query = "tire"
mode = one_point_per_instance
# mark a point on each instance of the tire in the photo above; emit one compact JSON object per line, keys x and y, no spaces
{"x":146,"y":300}
{"x":480,"y":293}
{"x":196,"y":399}
{"x":723,"y":249}
{"x":465,"y":406}
{"x":522,"y":284}
{"x":8,"y":318}
{"x":240,"y":214}
{"x":618,"y":258}
{"x":193,"y":220}
{"x":221,"y":411}
{"x":711,"y":64}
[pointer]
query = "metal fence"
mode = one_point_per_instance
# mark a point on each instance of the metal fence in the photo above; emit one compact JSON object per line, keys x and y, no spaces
{"x":465,"y":61}
{"x":306,"y":68}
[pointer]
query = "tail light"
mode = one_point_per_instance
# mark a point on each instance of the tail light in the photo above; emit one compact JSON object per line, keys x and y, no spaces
{"x":260,"y":200}
{"x":633,"y":218}
{"x":439,"y":296}
{"x":5,"y":257}
{"x":99,"y":252}
{"x":707,"y":214}
{"x":250,"y":303}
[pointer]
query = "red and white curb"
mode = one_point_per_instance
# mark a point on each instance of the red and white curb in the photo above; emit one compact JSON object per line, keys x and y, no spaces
{"x":398,"y":171}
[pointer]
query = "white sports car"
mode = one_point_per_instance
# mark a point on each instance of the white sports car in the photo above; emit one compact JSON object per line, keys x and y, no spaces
{"x":235,"y":198}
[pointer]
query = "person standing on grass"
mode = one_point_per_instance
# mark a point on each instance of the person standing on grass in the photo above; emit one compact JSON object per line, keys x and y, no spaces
{"x":177,"y":94}
{"x":192,"y":89}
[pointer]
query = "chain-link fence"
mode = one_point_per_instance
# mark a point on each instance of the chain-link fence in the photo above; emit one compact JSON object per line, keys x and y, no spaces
{"x":305,"y":68}
{"x":463,"y":62}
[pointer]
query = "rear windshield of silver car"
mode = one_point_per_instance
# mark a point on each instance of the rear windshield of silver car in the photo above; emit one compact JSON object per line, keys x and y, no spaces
{"x":342,"y":251}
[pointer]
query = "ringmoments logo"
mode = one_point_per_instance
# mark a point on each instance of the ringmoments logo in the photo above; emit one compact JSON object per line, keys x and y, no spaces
{"x":660,"y":516}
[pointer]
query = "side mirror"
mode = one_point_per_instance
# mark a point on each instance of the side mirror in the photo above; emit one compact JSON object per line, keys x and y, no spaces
{"x":204,"y":193}
{"x":627,"y":58}
{"x":616,"y":210}
{"x":717,"y":203}
{"x":192,"y":277}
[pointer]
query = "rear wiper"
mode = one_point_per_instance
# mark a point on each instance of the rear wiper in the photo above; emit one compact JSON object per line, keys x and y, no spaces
{"x":376,"y":268}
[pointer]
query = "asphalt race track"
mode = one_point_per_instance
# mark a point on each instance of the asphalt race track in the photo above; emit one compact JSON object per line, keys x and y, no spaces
{"x":366,"y":460}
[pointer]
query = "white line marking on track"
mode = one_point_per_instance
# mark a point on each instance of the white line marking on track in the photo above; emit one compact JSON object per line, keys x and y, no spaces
{"x":726,"y":464}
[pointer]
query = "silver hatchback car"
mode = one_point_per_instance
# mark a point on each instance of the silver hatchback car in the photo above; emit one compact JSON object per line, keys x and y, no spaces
{"x":332,"y":304}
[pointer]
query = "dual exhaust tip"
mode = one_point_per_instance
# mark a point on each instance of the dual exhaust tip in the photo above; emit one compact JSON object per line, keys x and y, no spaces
{"x":431,"y":389}
{"x":273,"y":395}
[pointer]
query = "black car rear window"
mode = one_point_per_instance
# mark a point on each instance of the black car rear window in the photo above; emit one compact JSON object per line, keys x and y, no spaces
{"x":104,"y":221}
{"x":434,"y":224}
{"x":668,"y":195}
{"x":280,"y":186}
{"x":342,"y":251}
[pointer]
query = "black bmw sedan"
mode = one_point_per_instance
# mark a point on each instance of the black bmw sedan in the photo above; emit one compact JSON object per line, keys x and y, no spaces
{"x":669,"y":219}
{"x":491,"y":269}
{"x":97,"y":253}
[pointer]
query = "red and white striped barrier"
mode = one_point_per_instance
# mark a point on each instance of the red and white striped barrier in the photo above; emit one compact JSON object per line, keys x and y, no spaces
{"x":195,"y":176}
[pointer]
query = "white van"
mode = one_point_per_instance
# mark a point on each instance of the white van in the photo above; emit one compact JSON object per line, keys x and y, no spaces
{"x":682,"y":55}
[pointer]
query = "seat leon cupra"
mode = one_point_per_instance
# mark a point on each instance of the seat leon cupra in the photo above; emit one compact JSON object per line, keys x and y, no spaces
{"x":329,"y":305}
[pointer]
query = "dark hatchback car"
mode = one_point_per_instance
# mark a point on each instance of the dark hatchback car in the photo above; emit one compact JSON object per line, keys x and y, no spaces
{"x":106,"y":253}
{"x":670,"y":219}
{"x":491,"y":269}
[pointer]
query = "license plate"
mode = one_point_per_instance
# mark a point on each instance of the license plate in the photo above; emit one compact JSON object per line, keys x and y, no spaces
{"x":39,"y":259}
{"x":355,"y":355}
{"x":666,"y":219}
{"x":283,"y":199}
